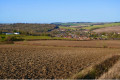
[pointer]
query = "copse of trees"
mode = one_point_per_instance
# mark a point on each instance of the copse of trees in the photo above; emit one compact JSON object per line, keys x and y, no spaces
{"x":9,"y":39}
{"x":27,"y":28}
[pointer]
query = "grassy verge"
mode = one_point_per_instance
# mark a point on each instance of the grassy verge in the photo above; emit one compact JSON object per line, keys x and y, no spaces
{"x":96,"y":71}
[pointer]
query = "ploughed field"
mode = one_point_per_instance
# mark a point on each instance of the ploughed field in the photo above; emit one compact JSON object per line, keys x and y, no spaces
{"x":83,"y":44}
{"x":31,"y":61}
{"x":108,"y":29}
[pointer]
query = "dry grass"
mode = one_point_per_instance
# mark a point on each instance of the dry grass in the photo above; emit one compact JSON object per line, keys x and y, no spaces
{"x":95,"y":71}
{"x":113,"y":73}
{"x":24,"y":61}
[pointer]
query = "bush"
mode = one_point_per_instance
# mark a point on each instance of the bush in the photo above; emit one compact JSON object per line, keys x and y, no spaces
{"x":10,"y":38}
{"x":13,"y":38}
{"x":0,"y":38}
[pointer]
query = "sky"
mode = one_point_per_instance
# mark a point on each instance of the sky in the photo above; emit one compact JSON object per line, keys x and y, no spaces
{"x":48,"y":11}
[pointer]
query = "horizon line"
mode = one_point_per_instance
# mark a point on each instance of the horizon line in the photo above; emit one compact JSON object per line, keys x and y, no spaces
{"x":56,"y":22}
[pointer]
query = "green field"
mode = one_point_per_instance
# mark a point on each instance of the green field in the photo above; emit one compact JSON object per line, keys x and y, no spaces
{"x":101,"y":26}
{"x":73,"y":24}
{"x":92,"y":27}
{"x":35,"y":37}
{"x":62,"y":27}
{"x":44,"y":38}
{"x":4,"y":38}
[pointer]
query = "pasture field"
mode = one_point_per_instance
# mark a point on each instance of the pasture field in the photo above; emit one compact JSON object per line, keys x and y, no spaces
{"x":43,"y":38}
{"x":71,"y":24}
{"x":101,"y":26}
{"x":24,"y":37}
{"x":33,"y":60}
{"x":62,"y":27}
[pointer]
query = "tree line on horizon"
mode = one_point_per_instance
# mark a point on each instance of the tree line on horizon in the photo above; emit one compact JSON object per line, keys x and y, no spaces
{"x":33,"y":29}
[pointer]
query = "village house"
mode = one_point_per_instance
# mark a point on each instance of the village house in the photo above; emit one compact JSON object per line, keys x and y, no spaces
{"x":9,"y":33}
{"x":16,"y":33}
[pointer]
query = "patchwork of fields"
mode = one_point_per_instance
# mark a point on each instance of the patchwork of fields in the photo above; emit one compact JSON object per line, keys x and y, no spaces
{"x":101,"y":26}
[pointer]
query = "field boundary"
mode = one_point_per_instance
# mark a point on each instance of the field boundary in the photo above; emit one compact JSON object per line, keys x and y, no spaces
{"x":67,"y":46}
{"x":113,"y":73}
{"x":94,"y":72}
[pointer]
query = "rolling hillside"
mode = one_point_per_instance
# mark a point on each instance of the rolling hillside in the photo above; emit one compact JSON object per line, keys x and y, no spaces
{"x":93,"y":27}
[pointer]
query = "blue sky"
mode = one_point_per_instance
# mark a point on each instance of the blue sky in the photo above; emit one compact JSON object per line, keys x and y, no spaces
{"x":47,"y":11}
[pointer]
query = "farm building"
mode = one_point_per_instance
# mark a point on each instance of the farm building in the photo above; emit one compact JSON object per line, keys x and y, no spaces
{"x":9,"y":33}
{"x":16,"y":33}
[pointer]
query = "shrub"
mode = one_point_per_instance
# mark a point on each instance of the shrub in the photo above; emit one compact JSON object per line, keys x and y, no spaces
{"x":0,"y":38}
{"x":105,"y":46}
{"x":13,"y":38}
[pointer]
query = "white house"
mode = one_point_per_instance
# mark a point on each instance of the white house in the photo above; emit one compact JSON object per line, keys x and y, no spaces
{"x":16,"y":33}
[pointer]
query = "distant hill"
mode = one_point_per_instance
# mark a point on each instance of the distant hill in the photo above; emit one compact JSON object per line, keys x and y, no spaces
{"x":93,"y":27}
{"x":76,"y":23}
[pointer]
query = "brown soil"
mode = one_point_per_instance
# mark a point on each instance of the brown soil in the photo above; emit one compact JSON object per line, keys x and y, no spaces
{"x":83,"y":44}
{"x":31,"y":61}
{"x":108,"y":29}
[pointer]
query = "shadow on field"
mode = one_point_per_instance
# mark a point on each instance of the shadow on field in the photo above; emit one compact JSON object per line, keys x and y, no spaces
{"x":96,"y":71}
